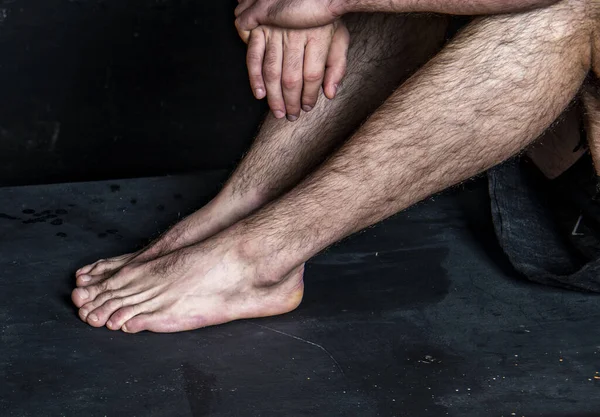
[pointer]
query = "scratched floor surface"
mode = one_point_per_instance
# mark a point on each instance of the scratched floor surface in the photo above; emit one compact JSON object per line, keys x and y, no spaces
{"x":419,"y":316}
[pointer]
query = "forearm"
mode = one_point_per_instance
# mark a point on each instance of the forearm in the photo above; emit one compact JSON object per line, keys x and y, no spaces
{"x":491,"y":92}
{"x":456,"y":7}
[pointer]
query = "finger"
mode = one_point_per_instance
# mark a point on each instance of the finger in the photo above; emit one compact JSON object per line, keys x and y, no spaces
{"x":272,"y":75}
{"x":336,"y":61}
{"x":242,"y":6}
{"x":254,"y":61}
{"x":315,"y":60}
{"x":247,"y":16}
{"x":292,"y":78}
{"x":244,"y":34}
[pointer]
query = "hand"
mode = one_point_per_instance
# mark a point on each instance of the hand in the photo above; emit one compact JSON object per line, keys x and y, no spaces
{"x":295,"y":14}
{"x":289,"y":66}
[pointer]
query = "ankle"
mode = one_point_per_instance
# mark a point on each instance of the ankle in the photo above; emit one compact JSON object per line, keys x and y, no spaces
{"x":268,"y":268}
{"x":238,"y":204}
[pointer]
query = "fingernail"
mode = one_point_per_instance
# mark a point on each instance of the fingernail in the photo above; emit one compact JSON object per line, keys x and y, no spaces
{"x":292,"y":118}
{"x":83,"y":293}
{"x":85,"y":278}
{"x":307,"y":108}
{"x":278,"y":114}
{"x":93,"y":317}
{"x":259,"y":93}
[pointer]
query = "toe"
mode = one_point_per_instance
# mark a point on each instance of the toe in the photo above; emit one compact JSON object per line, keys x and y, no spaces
{"x":106,"y":265}
{"x":125,"y":314}
{"x":87,"y":294}
{"x":81,"y":296}
{"x":86,"y":269}
{"x":138,"y":324}
{"x":86,"y":280}
{"x":102,"y":265}
{"x":99,"y":316}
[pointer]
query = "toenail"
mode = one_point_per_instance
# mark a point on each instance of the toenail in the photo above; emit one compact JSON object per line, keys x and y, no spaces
{"x":85,"y":278}
{"x":93,"y":317}
{"x":124,"y":328}
{"x":83,"y":313}
{"x":83,"y":293}
{"x":109,"y":324}
{"x":292,"y":118}
{"x":307,"y":108}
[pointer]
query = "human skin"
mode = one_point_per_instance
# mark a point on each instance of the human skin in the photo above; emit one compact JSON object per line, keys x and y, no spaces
{"x":483,"y":98}
{"x":313,"y":13}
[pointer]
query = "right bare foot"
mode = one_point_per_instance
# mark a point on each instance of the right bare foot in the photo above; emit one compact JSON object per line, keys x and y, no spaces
{"x":201,"y":285}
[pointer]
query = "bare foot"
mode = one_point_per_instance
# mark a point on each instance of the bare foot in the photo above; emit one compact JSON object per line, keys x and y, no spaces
{"x":216,"y":216}
{"x":194,"y":287}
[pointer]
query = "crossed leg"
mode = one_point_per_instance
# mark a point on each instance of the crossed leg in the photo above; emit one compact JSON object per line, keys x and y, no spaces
{"x":385,"y":51}
{"x":505,"y":78}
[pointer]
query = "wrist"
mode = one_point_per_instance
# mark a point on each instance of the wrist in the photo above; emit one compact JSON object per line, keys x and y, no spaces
{"x":341,"y":7}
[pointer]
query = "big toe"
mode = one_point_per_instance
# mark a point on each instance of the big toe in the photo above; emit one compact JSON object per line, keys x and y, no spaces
{"x":80,"y":296}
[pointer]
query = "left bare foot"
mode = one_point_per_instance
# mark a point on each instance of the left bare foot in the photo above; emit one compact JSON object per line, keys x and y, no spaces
{"x":217,"y":215}
{"x":197,"y":286}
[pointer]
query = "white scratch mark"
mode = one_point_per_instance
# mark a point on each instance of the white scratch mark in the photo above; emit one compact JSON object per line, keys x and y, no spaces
{"x":574,"y":233}
{"x":55,"y":136}
{"x":305,"y":341}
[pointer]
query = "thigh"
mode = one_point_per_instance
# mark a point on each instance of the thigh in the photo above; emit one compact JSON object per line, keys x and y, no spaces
{"x":594,"y":7}
{"x":396,"y":45}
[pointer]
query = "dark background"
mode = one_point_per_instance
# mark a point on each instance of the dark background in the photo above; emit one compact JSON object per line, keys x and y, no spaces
{"x":99,"y":89}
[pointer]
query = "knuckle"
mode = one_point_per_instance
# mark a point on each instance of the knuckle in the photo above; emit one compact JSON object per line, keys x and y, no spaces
{"x":293,"y":108}
{"x":309,"y":99}
{"x":102,"y":287}
{"x":115,"y":303}
{"x":290,"y":83}
{"x":254,"y":57}
{"x":271,"y":59}
{"x":256,"y":81}
{"x":271,"y":73}
{"x":313,"y":76}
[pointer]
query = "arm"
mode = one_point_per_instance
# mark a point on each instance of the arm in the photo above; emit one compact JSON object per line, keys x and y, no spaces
{"x":312,"y":13}
{"x":456,"y":7}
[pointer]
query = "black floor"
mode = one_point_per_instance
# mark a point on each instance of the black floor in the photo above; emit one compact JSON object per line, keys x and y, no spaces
{"x":419,"y":316}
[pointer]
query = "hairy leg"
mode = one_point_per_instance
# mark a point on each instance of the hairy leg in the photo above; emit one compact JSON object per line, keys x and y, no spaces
{"x":591,"y":99}
{"x":385,"y":51}
{"x":487,"y":95}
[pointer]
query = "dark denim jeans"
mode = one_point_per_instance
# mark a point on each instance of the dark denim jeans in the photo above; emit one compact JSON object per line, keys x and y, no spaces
{"x":550,"y":230}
